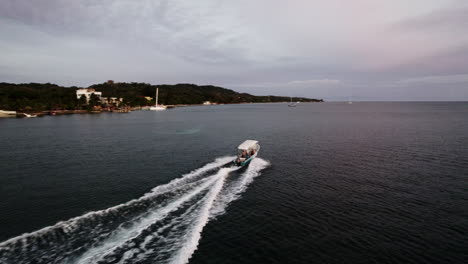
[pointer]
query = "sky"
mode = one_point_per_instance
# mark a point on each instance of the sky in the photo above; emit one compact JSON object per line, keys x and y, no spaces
{"x":369,"y":50}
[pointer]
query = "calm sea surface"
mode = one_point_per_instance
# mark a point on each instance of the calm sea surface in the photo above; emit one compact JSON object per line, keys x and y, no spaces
{"x":334,"y":183}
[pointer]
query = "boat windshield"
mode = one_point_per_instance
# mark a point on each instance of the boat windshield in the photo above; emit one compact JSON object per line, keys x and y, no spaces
{"x":246,"y":152}
{"x":240,"y":151}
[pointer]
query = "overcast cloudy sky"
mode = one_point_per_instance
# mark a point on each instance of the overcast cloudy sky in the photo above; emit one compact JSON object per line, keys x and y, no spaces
{"x":331,"y":49}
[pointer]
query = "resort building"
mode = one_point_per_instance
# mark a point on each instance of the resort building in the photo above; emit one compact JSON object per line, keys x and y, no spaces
{"x":87,"y":93}
{"x":111,"y":100}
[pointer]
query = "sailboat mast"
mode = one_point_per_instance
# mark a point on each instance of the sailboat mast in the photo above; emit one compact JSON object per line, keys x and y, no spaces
{"x":157,"y":92}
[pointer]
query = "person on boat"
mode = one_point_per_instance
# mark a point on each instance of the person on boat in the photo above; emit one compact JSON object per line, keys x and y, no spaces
{"x":241,"y":157}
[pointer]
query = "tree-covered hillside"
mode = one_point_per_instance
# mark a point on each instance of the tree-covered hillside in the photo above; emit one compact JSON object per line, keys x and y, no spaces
{"x":39,"y":97}
{"x":36,"y":97}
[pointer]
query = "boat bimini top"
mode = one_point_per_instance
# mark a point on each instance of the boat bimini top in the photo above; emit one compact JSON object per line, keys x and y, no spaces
{"x":248,"y":145}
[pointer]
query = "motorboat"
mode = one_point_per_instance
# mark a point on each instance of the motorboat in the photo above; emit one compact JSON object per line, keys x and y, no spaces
{"x":157,"y":107}
{"x":246,"y":152}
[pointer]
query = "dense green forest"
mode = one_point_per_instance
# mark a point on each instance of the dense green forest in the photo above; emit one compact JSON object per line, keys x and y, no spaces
{"x":40,"y":97}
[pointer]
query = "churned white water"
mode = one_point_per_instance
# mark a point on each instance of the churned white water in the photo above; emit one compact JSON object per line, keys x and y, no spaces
{"x":164,"y":225}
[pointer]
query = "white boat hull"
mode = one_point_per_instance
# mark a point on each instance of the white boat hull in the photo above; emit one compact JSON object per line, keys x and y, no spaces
{"x":157,"y":108}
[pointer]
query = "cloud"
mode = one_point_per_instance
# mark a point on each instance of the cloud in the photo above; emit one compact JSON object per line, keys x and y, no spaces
{"x":296,"y":83}
{"x":311,"y":48}
{"x":402,"y":45}
{"x":315,"y":82}
{"x":182,"y":29}
{"x":443,"y":79}
{"x":447,"y":20}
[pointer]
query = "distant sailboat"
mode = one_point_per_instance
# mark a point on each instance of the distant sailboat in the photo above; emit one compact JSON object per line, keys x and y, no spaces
{"x":157,"y":107}
{"x":291,"y":104}
{"x":28,"y":115}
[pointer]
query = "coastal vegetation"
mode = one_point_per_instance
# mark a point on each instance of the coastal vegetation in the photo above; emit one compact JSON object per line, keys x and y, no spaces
{"x":47,"y":96}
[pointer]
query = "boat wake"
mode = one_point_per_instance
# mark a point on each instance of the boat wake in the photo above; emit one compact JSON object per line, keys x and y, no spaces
{"x":162,"y":226}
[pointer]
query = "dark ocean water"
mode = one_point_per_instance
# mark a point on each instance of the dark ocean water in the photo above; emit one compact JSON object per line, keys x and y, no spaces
{"x":334,"y":183}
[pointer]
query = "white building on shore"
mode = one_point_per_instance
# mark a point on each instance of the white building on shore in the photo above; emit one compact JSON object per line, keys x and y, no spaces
{"x":87,"y":93}
{"x":111,"y":100}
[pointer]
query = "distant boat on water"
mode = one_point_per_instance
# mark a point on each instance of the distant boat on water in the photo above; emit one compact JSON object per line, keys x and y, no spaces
{"x":28,"y":115}
{"x":157,"y":107}
{"x":291,"y":104}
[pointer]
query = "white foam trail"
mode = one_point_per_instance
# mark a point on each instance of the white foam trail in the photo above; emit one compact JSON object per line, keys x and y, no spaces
{"x":175,"y":241}
{"x":190,"y":176}
{"x":72,"y":223}
{"x":234,"y":190}
{"x":94,"y":254}
{"x":215,"y":204}
{"x":191,"y":239}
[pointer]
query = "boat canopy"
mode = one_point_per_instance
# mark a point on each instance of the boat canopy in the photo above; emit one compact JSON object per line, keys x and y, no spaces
{"x":248,"y":144}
